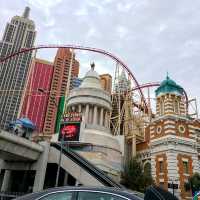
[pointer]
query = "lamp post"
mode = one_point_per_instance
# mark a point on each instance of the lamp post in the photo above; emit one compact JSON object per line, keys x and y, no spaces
{"x":62,"y":139}
{"x":59,"y":162}
{"x":61,"y":112}
{"x":173,"y":180}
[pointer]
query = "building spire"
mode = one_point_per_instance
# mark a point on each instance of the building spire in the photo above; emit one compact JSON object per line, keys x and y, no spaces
{"x":167,"y":75}
{"x":92,"y":66}
{"x":26,"y":12}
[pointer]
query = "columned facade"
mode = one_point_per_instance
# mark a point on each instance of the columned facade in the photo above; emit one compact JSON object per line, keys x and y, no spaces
{"x":94,"y":104}
{"x":93,"y":114}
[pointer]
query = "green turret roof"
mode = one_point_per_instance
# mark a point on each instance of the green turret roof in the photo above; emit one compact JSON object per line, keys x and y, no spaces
{"x":169,"y":86}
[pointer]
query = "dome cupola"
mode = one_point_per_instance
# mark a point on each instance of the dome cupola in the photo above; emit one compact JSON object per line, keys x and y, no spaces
{"x":169,"y":86}
{"x":170,"y":98}
{"x":91,"y":79}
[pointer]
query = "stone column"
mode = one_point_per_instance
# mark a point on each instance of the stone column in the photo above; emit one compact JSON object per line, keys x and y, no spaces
{"x":66,"y":179}
{"x":6,"y":181}
{"x":73,"y":108}
{"x":134,"y":145}
{"x":86,"y":113}
{"x":106,"y":119}
{"x":79,"y":108}
{"x":95,"y":115}
{"x":101,"y":117}
{"x":90,"y":119}
{"x":41,"y":166}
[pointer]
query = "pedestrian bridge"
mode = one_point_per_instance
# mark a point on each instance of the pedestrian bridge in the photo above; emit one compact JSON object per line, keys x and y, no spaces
{"x":15,"y":148}
{"x":17,"y":153}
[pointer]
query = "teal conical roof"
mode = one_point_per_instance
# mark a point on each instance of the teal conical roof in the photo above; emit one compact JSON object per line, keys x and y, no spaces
{"x":169,"y":86}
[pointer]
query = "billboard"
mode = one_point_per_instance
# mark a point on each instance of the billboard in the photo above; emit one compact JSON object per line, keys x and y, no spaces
{"x":69,"y":131}
{"x":70,"y":127}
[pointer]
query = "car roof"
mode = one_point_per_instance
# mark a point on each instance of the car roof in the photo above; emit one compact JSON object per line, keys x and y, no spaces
{"x":118,"y":191}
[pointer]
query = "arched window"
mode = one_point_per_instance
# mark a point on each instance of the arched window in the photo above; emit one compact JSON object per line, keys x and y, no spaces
{"x":161,"y":107}
{"x":176,"y":106}
{"x":147,"y":168}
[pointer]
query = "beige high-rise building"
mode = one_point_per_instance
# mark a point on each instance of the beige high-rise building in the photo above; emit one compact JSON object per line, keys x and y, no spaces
{"x":106,"y":82}
{"x":19,"y":33}
{"x":59,"y":86}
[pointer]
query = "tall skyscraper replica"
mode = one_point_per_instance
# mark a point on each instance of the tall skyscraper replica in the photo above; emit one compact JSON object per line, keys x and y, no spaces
{"x":59,"y":86}
{"x":19,"y":33}
{"x":37,"y":92}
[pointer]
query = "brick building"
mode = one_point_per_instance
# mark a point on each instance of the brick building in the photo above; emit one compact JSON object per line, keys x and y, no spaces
{"x":35,"y":104}
{"x":172,"y":140}
{"x":59,"y":82}
{"x":106,"y":82}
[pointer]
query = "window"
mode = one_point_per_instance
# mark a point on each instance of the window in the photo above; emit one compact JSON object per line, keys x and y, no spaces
{"x":58,"y":196}
{"x":161,"y":167}
{"x":147,"y":168}
{"x":159,"y":129}
{"x":161,"y":107}
{"x":176,"y":107}
{"x":185,"y":167}
{"x":97,"y":196}
{"x":181,"y":129}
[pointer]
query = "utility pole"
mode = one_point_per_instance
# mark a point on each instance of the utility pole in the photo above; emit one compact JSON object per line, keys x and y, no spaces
{"x":173,"y":185}
{"x":59,"y":161}
{"x":62,"y":139}
{"x":62,"y":113}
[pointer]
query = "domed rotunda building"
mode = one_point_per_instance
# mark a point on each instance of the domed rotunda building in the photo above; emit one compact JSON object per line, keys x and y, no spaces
{"x":94,"y":104}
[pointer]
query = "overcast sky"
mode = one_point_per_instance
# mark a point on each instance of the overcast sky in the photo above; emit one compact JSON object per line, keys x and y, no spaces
{"x":150,"y":36}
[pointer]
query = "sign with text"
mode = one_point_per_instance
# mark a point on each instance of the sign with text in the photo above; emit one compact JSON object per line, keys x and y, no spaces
{"x":72,"y":117}
{"x":173,"y":185}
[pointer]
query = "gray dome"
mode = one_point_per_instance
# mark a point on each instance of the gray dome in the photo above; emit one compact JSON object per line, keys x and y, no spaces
{"x":91,"y":79}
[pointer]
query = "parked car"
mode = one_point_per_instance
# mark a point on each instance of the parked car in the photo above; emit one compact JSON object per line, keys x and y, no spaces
{"x":82,"y":193}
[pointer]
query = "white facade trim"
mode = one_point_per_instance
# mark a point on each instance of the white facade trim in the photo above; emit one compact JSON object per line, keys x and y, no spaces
{"x":169,"y":126}
{"x":152,"y":127}
{"x":170,"y":131}
{"x":169,"y":122}
{"x":160,"y":159}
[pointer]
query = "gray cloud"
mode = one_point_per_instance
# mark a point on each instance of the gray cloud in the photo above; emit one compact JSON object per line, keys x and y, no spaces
{"x":152,"y":37}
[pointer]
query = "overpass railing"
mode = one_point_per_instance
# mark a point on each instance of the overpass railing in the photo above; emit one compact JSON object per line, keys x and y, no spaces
{"x":88,"y":166}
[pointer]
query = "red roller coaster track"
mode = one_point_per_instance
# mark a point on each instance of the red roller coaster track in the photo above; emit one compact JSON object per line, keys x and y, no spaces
{"x":86,"y":49}
{"x":76,"y":47}
{"x":156,"y":84}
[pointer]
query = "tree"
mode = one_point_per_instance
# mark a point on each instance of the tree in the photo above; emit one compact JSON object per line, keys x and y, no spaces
{"x":134,"y":177}
{"x":193,"y":183}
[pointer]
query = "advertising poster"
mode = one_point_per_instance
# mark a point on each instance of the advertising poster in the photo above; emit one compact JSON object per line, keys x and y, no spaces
{"x":70,"y":127}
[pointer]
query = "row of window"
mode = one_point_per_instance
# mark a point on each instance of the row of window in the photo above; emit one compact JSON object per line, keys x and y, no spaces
{"x":181,"y":130}
{"x":176,"y":107}
{"x":185,"y":165}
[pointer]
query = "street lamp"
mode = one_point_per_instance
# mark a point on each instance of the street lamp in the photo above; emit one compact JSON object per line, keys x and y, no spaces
{"x":173,"y":185}
{"x":60,"y":112}
{"x":62,"y":139}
